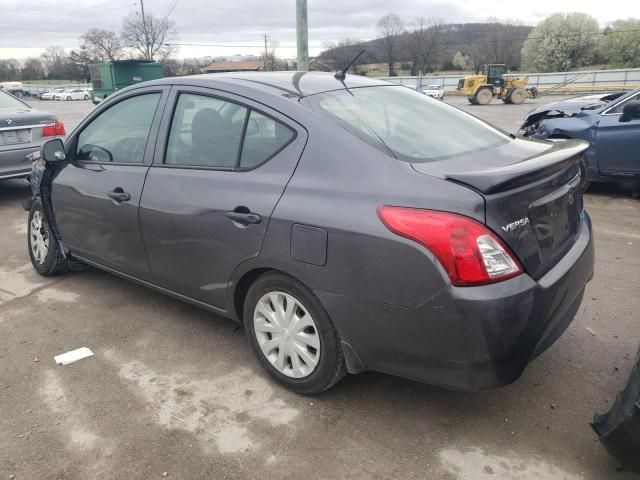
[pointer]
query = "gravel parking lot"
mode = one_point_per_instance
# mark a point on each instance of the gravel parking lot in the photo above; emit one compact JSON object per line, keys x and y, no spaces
{"x":174,"y":392}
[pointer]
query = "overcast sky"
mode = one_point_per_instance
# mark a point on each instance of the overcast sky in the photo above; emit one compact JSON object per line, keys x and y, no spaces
{"x":28,"y":26}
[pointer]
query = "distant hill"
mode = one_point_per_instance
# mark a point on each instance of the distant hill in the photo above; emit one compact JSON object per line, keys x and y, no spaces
{"x":479,"y":42}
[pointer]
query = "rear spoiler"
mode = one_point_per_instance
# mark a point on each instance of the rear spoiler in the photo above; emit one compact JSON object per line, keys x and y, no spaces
{"x":559,"y":157}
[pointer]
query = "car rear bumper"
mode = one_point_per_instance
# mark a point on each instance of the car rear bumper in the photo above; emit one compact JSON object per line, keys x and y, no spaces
{"x":472,"y":338}
{"x":14,"y":164}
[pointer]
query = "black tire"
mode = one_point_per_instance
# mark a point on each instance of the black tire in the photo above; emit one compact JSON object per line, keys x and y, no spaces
{"x":53,"y":262}
{"x":517,"y":96}
{"x":68,"y":99}
{"x":483,"y":96}
{"x":331,"y":365}
{"x":584,"y":175}
{"x":86,"y":97}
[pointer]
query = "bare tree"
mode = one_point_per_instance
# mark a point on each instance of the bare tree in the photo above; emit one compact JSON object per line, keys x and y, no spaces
{"x":270,"y":60}
{"x":148,"y":40}
{"x":341,"y":53}
{"x":422,"y":42}
{"x":54,"y":60}
{"x":102,"y":45}
{"x":390,"y":27}
{"x":32,"y":69}
{"x":503,"y":42}
{"x":9,"y":69}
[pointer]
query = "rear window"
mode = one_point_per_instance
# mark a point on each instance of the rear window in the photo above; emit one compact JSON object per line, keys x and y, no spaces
{"x":9,"y":101}
{"x":410,"y":126}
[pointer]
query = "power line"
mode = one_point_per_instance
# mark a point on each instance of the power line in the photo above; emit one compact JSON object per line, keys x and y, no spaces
{"x":471,"y":42}
{"x":166,"y":15}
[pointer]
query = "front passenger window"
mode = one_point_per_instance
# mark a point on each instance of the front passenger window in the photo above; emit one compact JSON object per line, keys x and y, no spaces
{"x":120,"y":133}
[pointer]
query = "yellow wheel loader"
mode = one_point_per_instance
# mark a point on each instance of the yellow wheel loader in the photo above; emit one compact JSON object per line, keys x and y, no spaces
{"x":482,"y":88}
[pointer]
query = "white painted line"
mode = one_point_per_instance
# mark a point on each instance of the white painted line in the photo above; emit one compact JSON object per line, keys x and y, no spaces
{"x":73,"y":356}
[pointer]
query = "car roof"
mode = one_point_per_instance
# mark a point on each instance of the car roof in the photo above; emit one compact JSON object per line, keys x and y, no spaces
{"x":295,"y":84}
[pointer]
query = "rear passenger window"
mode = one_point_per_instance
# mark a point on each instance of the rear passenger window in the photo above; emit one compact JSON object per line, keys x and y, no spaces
{"x":264,"y":137}
{"x":205,"y":132}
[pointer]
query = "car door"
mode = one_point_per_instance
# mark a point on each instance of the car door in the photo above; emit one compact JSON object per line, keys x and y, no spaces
{"x":618,"y":143}
{"x":221,"y":164}
{"x":96,"y":196}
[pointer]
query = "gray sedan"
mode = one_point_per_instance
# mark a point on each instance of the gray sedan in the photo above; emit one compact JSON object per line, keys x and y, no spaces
{"x":348,"y":224}
{"x":22,"y":130}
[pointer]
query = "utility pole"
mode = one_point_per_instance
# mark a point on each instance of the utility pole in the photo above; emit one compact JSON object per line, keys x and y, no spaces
{"x":264,"y":59}
{"x":144,"y":30}
{"x":302,"y":35}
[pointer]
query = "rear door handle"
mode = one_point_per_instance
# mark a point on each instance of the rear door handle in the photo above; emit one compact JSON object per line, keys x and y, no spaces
{"x":244,"y":217}
{"x":118,"y":195}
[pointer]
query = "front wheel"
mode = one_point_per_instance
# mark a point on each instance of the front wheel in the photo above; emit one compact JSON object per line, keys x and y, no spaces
{"x":44,"y":251}
{"x":292,"y":335}
{"x":86,"y":97}
{"x":484,"y":96}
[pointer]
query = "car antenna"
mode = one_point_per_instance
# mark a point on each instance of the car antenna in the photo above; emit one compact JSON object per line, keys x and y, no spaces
{"x":341,"y":75}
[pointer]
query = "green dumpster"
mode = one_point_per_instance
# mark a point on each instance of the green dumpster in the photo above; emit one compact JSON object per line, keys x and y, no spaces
{"x":109,"y":77}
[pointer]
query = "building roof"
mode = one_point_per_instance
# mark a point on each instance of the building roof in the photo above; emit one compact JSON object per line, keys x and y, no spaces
{"x":241,"y":66}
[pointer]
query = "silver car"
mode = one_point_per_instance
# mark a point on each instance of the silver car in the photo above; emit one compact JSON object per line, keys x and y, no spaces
{"x":22,"y":130}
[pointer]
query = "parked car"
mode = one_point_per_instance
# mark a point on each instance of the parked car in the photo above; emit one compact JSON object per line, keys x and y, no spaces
{"x":14,"y":88}
{"x":318,"y":213}
{"x":435,"y":91}
{"x":49,"y":95}
{"x":611,"y":125}
{"x":72,"y":94}
{"x":22,"y":130}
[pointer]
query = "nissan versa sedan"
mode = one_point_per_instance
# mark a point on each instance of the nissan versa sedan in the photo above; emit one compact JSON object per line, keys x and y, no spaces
{"x":22,"y":130}
{"x":349,"y":225}
{"x":611,"y":125}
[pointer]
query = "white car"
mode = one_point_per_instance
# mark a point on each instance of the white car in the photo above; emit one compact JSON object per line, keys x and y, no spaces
{"x":51,"y":93}
{"x":435,"y":91}
{"x":75,"y":94}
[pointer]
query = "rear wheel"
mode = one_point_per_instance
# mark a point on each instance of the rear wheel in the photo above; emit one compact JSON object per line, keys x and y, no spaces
{"x":44,"y":251}
{"x":68,"y":99}
{"x":484,"y":96}
{"x":292,"y":335}
{"x":86,"y":97}
{"x":517,"y":96}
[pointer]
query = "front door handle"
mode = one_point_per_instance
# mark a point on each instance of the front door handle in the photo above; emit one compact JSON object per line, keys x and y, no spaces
{"x":244,"y":216}
{"x":118,"y":195}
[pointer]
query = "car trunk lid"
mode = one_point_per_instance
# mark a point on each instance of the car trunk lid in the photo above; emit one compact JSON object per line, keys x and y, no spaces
{"x":532,"y":195}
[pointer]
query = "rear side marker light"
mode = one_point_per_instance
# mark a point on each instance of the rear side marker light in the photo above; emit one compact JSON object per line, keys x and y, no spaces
{"x":470,"y":253}
{"x":54,"y":130}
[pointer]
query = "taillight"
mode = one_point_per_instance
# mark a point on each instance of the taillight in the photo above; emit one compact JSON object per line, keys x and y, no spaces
{"x":469,"y":252}
{"x":54,"y":130}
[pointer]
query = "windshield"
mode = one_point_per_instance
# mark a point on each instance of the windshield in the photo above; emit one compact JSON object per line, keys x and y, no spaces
{"x":433,"y":87}
{"x":411,"y":126}
{"x":9,"y":101}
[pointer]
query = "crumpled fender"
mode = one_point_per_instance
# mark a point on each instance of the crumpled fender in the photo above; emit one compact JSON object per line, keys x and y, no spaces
{"x":42,"y":174}
{"x":619,"y":429}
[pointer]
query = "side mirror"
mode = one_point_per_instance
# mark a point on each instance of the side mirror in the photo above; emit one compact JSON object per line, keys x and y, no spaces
{"x":53,"y":151}
{"x":630,"y":111}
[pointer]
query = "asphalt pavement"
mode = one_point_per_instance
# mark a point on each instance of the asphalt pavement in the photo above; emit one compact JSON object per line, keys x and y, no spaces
{"x":174,"y":392}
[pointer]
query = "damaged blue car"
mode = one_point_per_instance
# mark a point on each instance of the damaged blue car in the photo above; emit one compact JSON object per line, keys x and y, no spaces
{"x":611,"y":125}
